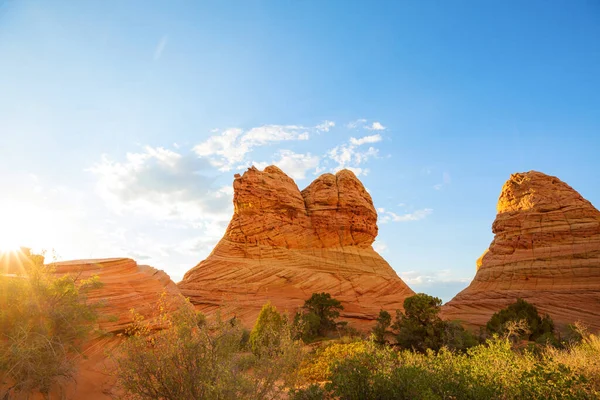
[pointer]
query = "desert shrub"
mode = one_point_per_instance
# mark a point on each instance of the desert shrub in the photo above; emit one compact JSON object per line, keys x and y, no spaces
{"x":267,"y":330}
{"x":318,"y":317}
{"x":317,"y":368}
{"x":384,"y":320}
{"x":43,"y":321}
{"x":197,"y":358}
{"x":521,"y":310}
{"x":493,"y":370}
{"x":313,"y":391}
{"x":456,"y":337}
{"x":419,"y":327}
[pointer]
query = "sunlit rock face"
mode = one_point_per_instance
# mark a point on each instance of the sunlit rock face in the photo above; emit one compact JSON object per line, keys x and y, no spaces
{"x":126,"y":286}
{"x":546,"y":250}
{"x":283,"y":244}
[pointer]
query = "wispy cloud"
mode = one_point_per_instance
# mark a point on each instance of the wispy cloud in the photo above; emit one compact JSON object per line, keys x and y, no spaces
{"x":390,"y":216}
{"x":351,"y":155}
{"x":446,"y":180}
{"x":354,"y":124}
{"x":325,"y":126}
{"x":230,"y":148}
{"x":160,"y":47}
{"x":375,"y":126}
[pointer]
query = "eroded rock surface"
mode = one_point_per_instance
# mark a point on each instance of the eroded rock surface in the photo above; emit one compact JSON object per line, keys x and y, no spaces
{"x":282,"y":245}
{"x":546,"y":250}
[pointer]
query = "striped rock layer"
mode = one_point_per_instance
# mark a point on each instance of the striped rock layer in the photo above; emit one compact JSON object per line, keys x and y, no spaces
{"x":283,"y":244}
{"x":546,"y":250}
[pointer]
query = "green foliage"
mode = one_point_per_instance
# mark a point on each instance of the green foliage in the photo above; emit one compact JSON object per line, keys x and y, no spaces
{"x":197,"y":358}
{"x":536,"y":326}
{"x":419,"y":327}
{"x":43,"y":320}
{"x":318,"y":317}
{"x":313,"y":391}
{"x":384,"y":320}
{"x":267,"y":330}
{"x":493,"y":370}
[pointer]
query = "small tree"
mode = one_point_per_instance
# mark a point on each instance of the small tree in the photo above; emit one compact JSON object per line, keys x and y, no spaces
{"x":384,"y":320}
{"x":419,"y":327}
{"x":533,"y":326}
{"x":43,"y":321}
{"x":318,"y":316}
{"x":326,"y":308}
{"x":267,"y":330}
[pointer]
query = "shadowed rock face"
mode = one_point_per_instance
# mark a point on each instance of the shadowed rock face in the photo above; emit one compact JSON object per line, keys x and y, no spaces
{"x":283,"y":245}
{"x":546,"y":250}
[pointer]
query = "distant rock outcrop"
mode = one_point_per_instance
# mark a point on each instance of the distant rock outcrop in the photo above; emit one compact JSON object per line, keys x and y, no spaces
{"x":546,"y":250}
{"x":282,"y":245}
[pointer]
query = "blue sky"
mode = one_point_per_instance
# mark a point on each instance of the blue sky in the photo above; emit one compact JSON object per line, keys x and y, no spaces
{"x":123,"y":122}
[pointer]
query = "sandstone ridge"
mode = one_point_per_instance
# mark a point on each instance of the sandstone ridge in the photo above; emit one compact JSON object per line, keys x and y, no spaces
{"x":283,"y":244}
{"x":546,"y":250}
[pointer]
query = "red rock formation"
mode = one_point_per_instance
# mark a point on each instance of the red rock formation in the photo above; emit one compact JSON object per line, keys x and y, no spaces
{"x":126,"y":286}
{"x":546,"y":250}
{"x":283,"y":245}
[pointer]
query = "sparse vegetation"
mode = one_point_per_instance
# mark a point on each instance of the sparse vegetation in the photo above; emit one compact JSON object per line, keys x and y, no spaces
{"x":200,"y":358}
{"x":43,"y":320}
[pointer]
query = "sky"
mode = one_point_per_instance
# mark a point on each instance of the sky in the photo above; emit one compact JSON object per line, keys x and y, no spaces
{"x":122,"y":123}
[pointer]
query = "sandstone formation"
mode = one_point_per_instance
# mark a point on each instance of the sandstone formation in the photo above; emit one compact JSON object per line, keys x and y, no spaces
{"x":282,"y":245}
{"x":546,"y":250}
{"x":126,"y":286}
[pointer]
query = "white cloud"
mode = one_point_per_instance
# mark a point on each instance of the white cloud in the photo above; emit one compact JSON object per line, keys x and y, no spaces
{"x":365,"y":139}
{"x":293,"y":164}
{"x":354,"y":124}
{"x":231,"y":147}
{"x":325,"y":126}
{"x":162,"y":184}
{"x":379,"y":246}
{"x":390,"y":216}
{"x":350,"y":156}
{"x":375,"y":126}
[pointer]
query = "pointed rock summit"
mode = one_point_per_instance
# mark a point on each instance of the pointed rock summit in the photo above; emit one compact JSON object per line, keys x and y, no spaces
{"x":546,"y":250}
{"x":282,"y":245}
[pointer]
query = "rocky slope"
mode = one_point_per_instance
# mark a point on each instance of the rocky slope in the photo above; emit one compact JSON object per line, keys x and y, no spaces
{"x":126,"y":286}
{"x":546,"y":250}
{"x":283,"y":244}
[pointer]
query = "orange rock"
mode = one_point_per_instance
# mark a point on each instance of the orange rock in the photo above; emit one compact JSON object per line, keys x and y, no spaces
{"x":546,"y":250}
{"x":126,"y":286}
{"x":282,"y":245}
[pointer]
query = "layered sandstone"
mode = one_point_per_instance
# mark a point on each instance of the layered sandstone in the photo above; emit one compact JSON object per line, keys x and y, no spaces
{"x":546,"y":250}
{"x":283,"y":244}
{"x":126,"y":286}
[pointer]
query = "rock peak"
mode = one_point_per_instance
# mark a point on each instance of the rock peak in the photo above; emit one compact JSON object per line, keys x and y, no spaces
{"x":283,"y":244}
{"x":546,"y":250}
{"x":537,"y":191}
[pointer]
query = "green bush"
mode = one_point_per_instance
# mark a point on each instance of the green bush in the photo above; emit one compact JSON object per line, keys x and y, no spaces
{"x":43,"y":321}
{"x":267,"y":330}
{"x":318,"y":317}
{"x":536,"y":326}
{"x":199,"y":358}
